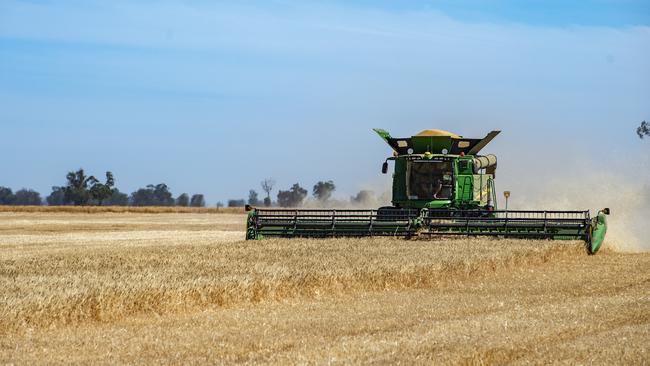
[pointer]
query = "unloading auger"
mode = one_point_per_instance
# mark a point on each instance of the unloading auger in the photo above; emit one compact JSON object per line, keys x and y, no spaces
{"x":441,"y":187}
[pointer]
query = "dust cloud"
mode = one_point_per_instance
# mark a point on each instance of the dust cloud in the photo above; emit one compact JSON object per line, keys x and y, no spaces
{"x":627,"y":196}
{"x":364,"y":199}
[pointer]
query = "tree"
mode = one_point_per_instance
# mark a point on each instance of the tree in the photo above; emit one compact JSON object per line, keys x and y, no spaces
{"x":7,"y":196}
{"x":219,"y":204}
{"x":102,"y":191}
{"x":117,"y":198}
{"x":323,"y":190}
{"x":267,"y":186}
{"x":57,"y":197}
{"x":76,"y":190}
{"x":252,"y":198}
{"x":183,"y":200}
{"x":158,"y":195}
{"x":293,"y":197}
{"x":643,"y":129}
{"x":162,"y":195}
{"x":236,"y":203}
{"x":142,"y":197}
{"x":28,"y":197}
{"x":197,"y":201}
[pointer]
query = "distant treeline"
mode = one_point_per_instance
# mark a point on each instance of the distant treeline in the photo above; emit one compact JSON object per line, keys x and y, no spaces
{"x":297,"y":196}
{"x":86,"y":190}
{"x":293,"y":197}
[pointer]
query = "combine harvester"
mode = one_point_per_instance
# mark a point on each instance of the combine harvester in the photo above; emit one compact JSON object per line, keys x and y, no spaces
{"x":441,"y":187}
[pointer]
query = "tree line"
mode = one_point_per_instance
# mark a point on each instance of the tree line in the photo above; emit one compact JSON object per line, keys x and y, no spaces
{"x":84,"y":190}
{"x":296,"y":195}
{"x":292,"y":197}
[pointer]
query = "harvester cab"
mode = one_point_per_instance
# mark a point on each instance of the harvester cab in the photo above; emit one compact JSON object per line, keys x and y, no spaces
{"x":441,"y":187}
{"x":441,"y":170}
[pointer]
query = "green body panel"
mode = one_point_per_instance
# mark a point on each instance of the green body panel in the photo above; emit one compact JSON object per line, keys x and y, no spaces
{"x":436,"y":204}
{"x":430,"y":144}
{"x":251,"y":232}
{"x":399,"y":186}
{"x":598,"y":231}
{"x":464,"y":188}
{"x":382,"y":133}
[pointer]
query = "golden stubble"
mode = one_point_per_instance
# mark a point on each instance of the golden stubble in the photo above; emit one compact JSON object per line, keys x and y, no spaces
{"x":167,"y":288}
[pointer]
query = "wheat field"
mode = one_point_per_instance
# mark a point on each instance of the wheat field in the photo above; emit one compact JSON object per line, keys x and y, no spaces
{"x":183,"y":287}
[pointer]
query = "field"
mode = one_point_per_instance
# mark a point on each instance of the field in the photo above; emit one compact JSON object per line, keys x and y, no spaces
{"x":183,"y":287}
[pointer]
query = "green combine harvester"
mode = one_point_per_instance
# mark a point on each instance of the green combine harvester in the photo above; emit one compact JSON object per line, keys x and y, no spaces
{"x":441,"y":187}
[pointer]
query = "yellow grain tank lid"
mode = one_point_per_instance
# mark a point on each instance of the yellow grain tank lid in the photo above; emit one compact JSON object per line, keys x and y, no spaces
{"x":438,"y":133}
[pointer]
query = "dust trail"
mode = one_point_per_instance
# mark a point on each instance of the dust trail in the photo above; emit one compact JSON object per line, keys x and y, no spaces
{"x":364,"y":199}
{"x":627,"y":196}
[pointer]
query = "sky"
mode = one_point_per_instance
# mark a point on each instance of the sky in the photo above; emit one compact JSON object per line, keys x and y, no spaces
{"x":214,"y":96}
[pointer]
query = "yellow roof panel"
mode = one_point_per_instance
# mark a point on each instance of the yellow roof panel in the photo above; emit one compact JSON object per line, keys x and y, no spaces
{"x":438,"y":133}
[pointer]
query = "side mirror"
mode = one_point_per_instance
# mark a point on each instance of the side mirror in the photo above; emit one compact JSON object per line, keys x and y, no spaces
{"x":384,"y":167}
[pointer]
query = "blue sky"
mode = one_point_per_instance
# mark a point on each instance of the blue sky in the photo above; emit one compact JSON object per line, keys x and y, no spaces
{"x":212,"y":97}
